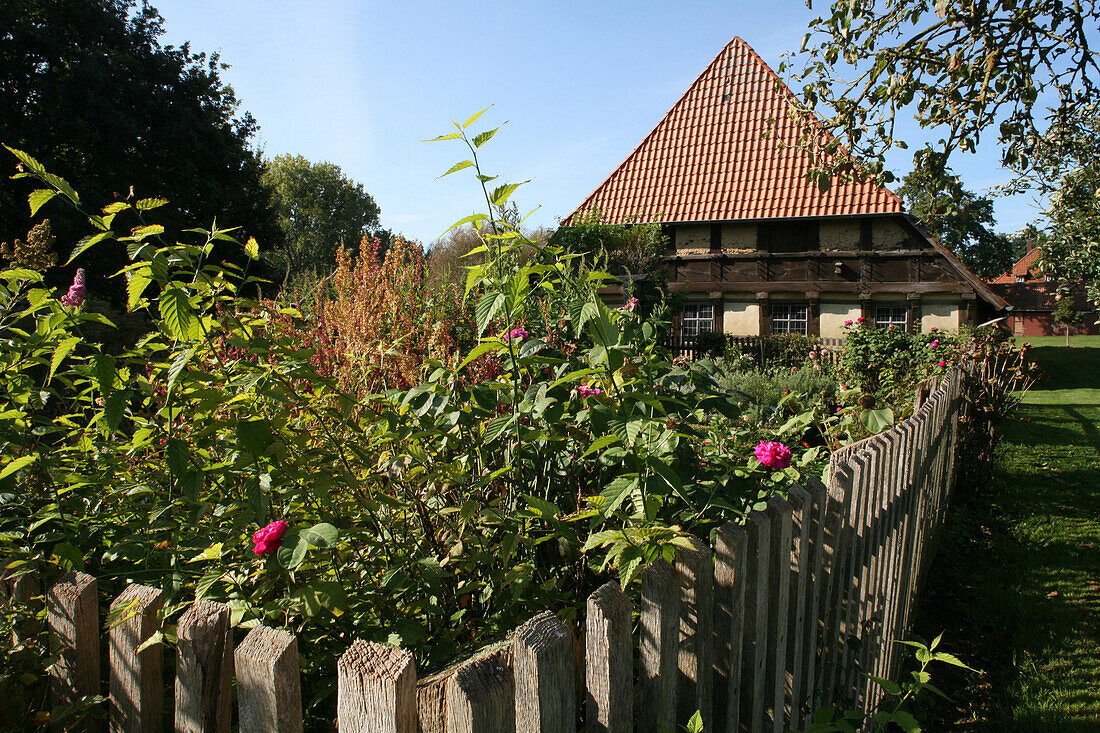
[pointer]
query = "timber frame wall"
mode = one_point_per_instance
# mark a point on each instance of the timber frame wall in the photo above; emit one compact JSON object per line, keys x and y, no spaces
{"x":777,"y":619}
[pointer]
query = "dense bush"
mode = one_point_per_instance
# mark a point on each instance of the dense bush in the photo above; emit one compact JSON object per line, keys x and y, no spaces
{"x":887,"y":363}
{"x":242,"y":452}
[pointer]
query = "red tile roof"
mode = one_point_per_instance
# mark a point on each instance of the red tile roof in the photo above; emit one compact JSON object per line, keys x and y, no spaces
{"x":1026,"y":267}
{"x":708,"y":159}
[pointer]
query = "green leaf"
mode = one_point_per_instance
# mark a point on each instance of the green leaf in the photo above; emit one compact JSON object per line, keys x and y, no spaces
{"x":695,"y":725}
{"x":616,"y":492}
{"x":503,"y":192}
{"x":908,"y":723}
{"x":292,"y":552}
{"x":177,"y":456}
{"x":87,"y":243}
{"x":135,"y":288}
{"x":484,"y":347}
{"x":22,"y":273}
{"x":149,"y":230}
{"x":451,"y":136}
{"x":116,"y":207}
{"x":214,"y":552}
{"x":147,"y":204}
{"x":114,"y":407}
{"x":252,"y":248}
{"x":207,"y":581}
{"x":60,"y":353}
{"x":176,"y":313}
{"x":485,"y":137}
{"x":877,"y":420}
{"x":322,"y":535}
{"x":27,"y":160}
{"x":474,"y":117}
{"x":18,"y":463}
{"x":496,"y":427}
{"x":600,"y":443}
{"x":254,"y":436}
{"x":471,"y":219}
{"x":38,"y":199}
{"x":457,"y":167}
{"x":488,"y":305}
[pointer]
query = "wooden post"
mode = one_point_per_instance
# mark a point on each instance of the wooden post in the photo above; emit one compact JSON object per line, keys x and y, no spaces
{"x":481,"y":695}
{"x":375,"y":689}
{"x":695,"y":571}
{"x":137,"y":690}
{"x":431,"y":691}
{"x":545,"y":682}
{"x":779,"y":588}
{"x":19,"y":584}
{"x":659,"y":627}
{"x":609,"y":661}
{"x":756,"y":694}
{"x":269,"y":691}
{"x":801,"y":516}
{"x":73,"y":617}
{"x":729,"y":624}
{"x":204,"y":669}
{"x":817,"y":582}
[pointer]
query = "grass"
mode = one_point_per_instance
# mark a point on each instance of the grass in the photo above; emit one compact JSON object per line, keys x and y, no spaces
{"x":1016,"y":583}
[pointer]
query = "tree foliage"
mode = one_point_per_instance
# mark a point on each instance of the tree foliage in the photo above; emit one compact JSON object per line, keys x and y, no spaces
{"x":961,"y":220}
{"x":1071,"y":250}
{"x":967,"y":67}
{"x":318,"y":209}
{"x":87,"y":86}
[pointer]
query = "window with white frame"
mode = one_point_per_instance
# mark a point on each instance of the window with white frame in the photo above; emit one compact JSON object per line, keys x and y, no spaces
{"x":892,"y":315}
{"x":789,"y":318}
{"x":694,"y":320}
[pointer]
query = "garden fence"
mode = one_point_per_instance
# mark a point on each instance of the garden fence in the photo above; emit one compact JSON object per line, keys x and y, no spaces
{"x":779,"y":617}
{"x":763,"y":350}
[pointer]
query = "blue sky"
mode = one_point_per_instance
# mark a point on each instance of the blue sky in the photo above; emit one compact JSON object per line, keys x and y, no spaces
{"x":362,"y":84}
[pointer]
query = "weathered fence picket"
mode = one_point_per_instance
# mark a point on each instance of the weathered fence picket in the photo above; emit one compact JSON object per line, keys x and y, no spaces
{"x":778,"y":619}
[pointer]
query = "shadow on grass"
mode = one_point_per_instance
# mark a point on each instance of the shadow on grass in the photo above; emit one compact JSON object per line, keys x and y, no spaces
{"x":1016,"y":582}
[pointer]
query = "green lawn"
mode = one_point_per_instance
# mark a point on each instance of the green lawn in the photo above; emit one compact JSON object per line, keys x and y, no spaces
{"x":1016,"y":583}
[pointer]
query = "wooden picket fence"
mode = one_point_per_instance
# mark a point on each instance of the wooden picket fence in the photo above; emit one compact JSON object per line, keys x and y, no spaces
{"x":781,"y":616}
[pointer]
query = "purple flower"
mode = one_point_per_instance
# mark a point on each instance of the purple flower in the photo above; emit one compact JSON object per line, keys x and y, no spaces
{"x":518,"y":333}
{"x":775,"y":456}
{"x":585,"y":391}
{"x":75,"y":297}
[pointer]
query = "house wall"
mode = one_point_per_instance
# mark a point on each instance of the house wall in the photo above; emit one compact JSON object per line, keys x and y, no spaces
{"x":741,"y":318}
{"x":839,"y":235}
{"x":693,"y":239}
{"x":942,"y":314}
{"x":833,"y":316}
{"x":887,"y":233}
{"x":738,"y":238}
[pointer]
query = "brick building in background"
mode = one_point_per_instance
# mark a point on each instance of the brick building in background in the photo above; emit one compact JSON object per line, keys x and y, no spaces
{"x":1033,"y":297}
{"x":755,"y":248}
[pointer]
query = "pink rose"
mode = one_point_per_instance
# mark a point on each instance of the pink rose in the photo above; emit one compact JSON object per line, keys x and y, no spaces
{"x":861,"y":319}
{"x":934,"y":329}
{"x":942,"y":364}
{"x":934,"y":344}
{"x":268,"y":539}
{"x":75,"y":297}
{"x":775,"y":456}
{"x":848,"y":322}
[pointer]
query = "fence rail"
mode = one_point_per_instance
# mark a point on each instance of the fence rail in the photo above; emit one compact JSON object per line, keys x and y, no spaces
{"x":777,"y":619}
{"x":763,"y":349}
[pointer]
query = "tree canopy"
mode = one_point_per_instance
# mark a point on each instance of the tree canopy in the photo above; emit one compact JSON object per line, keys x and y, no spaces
{"x":969,"y":66}
{"x":88,"y":89}
{"x":318,"y":209}
{"x":960,"y":219}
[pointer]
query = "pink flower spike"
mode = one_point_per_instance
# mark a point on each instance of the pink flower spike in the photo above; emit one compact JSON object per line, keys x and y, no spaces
{"x":775,"y":456}
{"x":75,"y":297}
{"x":270,"y":538}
